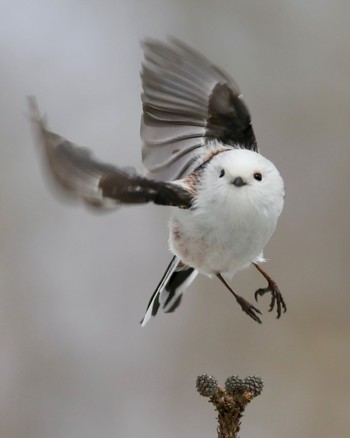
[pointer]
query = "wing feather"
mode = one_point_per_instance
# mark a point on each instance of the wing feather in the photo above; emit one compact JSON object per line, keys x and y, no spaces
{"x":186,"y":97}
{"x":99,"y":184}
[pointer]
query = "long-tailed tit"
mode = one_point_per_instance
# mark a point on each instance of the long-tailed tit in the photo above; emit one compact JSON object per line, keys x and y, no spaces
{"x":201,"y":153}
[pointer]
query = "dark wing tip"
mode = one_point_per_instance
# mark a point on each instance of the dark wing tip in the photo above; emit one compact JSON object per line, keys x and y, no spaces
{"x":229,"y":118}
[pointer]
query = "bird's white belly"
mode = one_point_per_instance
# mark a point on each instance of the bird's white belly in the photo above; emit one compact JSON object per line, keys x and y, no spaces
{"x":224,"y":247}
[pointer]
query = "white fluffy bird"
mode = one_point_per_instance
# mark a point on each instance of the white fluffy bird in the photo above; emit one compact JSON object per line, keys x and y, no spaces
{"x":202,"y":157}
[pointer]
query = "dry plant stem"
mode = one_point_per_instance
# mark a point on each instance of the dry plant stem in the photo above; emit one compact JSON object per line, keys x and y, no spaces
{"x":230,"y":400}
{"x":230,"y":410}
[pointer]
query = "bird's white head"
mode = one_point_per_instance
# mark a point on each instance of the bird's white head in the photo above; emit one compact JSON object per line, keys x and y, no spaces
{"x":243,"y":178}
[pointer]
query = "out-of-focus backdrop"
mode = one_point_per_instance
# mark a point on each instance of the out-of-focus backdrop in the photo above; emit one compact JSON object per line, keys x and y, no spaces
{"x":74,"y":361}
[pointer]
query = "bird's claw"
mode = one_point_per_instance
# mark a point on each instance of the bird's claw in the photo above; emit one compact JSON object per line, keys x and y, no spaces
{"x":276,"y":297}
{"x":249,"y":309}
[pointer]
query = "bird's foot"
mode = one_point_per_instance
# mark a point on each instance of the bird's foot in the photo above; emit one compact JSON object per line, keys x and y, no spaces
{"x":248,"y":308}
{"x":276,"y":297}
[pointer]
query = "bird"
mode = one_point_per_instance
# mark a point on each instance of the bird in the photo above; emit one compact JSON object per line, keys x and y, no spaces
{"x":201,"y":159}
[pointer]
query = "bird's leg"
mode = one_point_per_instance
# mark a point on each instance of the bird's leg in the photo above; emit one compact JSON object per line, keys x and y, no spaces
{"x":248,"y":308}
{"x":277,"y":299}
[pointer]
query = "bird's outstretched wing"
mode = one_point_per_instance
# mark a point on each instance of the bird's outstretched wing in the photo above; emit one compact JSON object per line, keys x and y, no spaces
{"x":101,"y":185}
{"x":187,"y":103}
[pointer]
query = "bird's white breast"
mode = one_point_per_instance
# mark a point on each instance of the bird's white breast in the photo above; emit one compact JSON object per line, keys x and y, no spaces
{"x":218,"y":242}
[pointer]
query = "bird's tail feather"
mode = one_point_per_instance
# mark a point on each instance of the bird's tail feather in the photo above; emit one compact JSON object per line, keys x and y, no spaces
{"x":168,"y":293}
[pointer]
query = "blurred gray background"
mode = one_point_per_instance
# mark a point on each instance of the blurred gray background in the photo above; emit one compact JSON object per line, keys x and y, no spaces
{"x":74,"y":361}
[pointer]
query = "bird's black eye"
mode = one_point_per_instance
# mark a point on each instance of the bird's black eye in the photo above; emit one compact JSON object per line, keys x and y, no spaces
{"x":258,"y":176}
{"x":222,"y":173}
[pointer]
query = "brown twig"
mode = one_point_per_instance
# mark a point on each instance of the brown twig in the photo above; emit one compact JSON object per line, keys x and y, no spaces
{"x":230,"y":400}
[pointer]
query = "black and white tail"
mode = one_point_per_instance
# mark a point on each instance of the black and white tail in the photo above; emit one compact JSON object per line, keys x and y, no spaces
{"x":169,"y":291}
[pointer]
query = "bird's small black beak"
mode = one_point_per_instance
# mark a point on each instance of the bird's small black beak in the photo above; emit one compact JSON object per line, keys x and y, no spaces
{"x":239,"y":182}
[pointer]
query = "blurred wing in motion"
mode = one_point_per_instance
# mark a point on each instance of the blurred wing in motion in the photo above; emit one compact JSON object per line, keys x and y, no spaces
{"x":187,"y":102}
{"x":98,"y":184}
